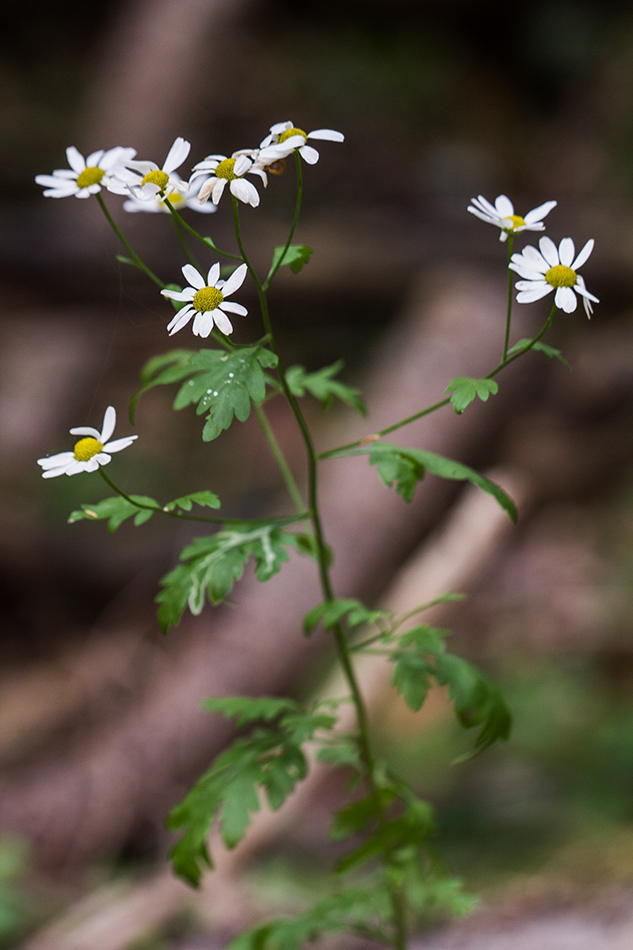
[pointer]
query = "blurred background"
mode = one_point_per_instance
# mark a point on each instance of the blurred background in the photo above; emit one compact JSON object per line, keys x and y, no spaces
{"x":100,"y":726}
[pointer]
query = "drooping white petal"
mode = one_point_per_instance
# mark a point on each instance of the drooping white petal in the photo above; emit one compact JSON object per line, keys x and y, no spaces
{"x":309,"y":154}
{"x":55,"y":461}
{"x":232,"y":307}
{"x":565,"y":299}
{"x":180,"y":319}
{"x":326,"y":135}
{"x":529,"y":296}
{"x":245,"y":191}
{"x":119,"y":444}
{"x":203,"y":323}
{"x":222,"y":321}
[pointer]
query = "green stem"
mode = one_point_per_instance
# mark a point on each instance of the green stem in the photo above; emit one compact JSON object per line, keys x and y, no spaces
{"x":279,"y":457}
{"x":137,"y":260}
{"x":506,"y":339}
{"x":183,"y":516}
{"x":342,"y":449}
{"x":275,"y":267}
{"x":204,"y":240}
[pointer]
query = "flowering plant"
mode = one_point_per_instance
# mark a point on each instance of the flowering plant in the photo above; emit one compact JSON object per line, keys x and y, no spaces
{"x":389,"y":876}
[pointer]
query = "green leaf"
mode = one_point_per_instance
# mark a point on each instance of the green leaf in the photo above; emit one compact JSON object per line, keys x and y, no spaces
{"x":407,"y":466}
{"x":203,"y":498}
{"x":411,"y":678}
{"x":466,"y":389}
{"x":211,"y":565}
{"x":247,"y":709}
{"x":324,"y":387}
{"x":524,"y":345}
{"x":296,"y":256}
{"x":330,"y":613}
{"x":116,"y":510}
{"x":477,"y":700}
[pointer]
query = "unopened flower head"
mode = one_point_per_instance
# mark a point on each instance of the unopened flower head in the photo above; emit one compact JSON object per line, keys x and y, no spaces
{"x":178,"y":200}
{"x":86,"y":176}
{"x":502,"y":215}
{"x":285,"y":137}
{"x":553,"y":269}
{"x":222,"y":171}
{"x":91,"y":451}
{"x":206,"y":300}
{"x":146,"y":180}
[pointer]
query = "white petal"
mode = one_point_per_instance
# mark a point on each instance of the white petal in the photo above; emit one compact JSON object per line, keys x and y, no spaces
{"x":504,"y":207}
{"x":109,"y":422}
{"x":327,"y":135}
{"x":565,"y":299}
{"x":280,"y":127}
{"x":177,"y":154}
{"x":222,"y":322}
{"x":584,"y":254}
{"x":194,"y":276}
{"x":566,"y":251}
{"x":180,"y":320}
{"x":213,"y":275}
{"x":235,"y":281}
{"x":529,"y":296}
{"x":55,"y":461}
{"x":308,"y":154}
{"x":549,"y":252}
{"x":483,"y":215}
{"x":245,"y":191}
{"x":537,"y":214}
{"x":242,"y":165}
{"x":75,"y":159}
{"x":203,"y":324}
{"x":187,"y":294}
{"x":232,"y":307}
{"x":86,"y":430}
{"x":218,"y":188}
{"x":119,"y":444}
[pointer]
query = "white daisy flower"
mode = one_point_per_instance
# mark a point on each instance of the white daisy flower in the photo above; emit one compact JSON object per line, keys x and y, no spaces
{"x":502,"y":215}
{"x":145,"y":180}
{"x":553,"y":269}
{"x":90,"y":452}
{"x":284,"y":138}
{"x":86,"y":176}
{"x":229,"y":171}
{"x":178,"y":200}
{"x":206,"y":300}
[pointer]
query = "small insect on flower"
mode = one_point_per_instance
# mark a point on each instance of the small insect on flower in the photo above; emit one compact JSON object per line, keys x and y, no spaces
{"x":206,"y":300}
{"x":284,"y":138}
{"x":502,"y":215}
{"x":86,"y":176}
{"x":90,"y":452}
{"x":553,"y":268}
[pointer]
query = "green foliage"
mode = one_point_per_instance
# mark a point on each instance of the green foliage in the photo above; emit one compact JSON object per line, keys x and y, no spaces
{"x":324,"y":387}
{"x":406,"y":467}
{"x":117,"y":510}
{"x":269,"y":760}
{"x":205,"y":499}
{"x":525,"y":345}
{"x":222,"y":383}
{"x":296,"y":256}
{"x":465,"y":389}
{"x":332,"y":612}
{"x":420,"y":654}
{"x":212,"y":564}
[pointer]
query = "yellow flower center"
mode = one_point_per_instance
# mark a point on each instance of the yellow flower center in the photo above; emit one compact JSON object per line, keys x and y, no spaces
{"x":561,"y":276}
{"x":90,"y":176}
{"x":517,"y":222}
{"x":225,"y":170}
{"x":207,"y":299}
{"x":86,"y":448}
{"x":290,"y":132}
{"x":156,"y":178}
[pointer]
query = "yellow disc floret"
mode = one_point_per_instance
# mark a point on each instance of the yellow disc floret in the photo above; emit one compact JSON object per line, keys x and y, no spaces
{"x":90,"y":176}
{"x":561,"y":276}
{"x":516,"y":222}
{"x":290,"y":132}
{"x":156,"y":178}
{"x":85,"y":449}
{"x":225,"y":169}
{"x":208,"y":298}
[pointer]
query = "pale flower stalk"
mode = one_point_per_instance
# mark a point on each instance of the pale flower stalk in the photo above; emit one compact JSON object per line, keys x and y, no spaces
{"x":86,"y":176}
{"x":502,"y":215}
{"x":206,"y":300}
{"x":553,"y":269}
{"x":93,"y":450}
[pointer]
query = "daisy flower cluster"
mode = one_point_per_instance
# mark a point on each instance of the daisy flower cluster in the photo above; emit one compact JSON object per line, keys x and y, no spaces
{"x":543,"y":270}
